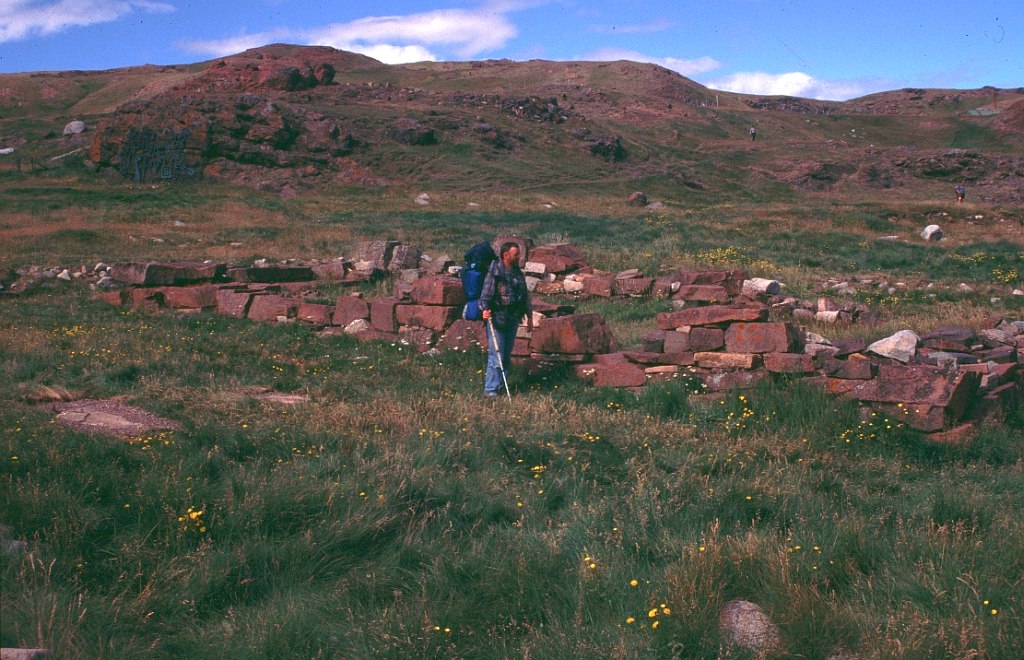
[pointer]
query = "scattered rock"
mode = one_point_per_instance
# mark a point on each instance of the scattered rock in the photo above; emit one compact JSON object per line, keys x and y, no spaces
{"x":758,"y":285}
{"x":279,"y":397}
{"x":109,"y":417}
{"x":637,"y":199}
{"x":24,"y":654}
{"x":74,"y":127}
{"x":932,"y":233}
{"x":746,"y":625}
{"x":901,"y":346}
{"x":357,"y":326}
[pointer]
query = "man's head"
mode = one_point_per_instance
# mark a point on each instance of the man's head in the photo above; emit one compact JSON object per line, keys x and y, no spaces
{"x":509,"y":253}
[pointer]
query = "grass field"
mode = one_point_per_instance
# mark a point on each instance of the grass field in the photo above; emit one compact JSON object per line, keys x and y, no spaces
{"x":398,"y":514}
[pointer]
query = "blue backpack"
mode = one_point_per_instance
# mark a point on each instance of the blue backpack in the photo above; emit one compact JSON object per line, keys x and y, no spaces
{"x":477,"y":260}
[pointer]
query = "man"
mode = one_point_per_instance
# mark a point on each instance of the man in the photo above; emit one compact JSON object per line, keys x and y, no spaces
{"x":961,"y":191}
{"x":504,"y":301}
{"x":753,"y":134}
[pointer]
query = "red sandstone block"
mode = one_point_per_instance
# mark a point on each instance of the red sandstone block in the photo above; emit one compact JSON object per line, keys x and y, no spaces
{"x":662,"y":370}
{"x":146,"y":299}
{"x":270,"y":307}
{"x":166,"y":274}
{"x":577,"y":333}
{"x":334,"y":271}
{"x":732,"y":280}
{"x":297,"y":288}
{"x":110,"y":297}
{"x":435,"y":317}
{"x":711,"y":315}
{"x":611,"y":358}
{"x":789,"y":363}
{"x":621,"y":375}
{"x":643,"y":357}
{"x":635,"y":286}
{"x":599,"y":285}
{"x":711,"y":360}
{"x":732,"y":380}
{"x":919,"y":416}
{"x":318,"y":315}
{"x":702,"y":293}
{"x":463,"y":335}
{"x":762,"y":338}
{"x":705,"y":339}
{"x":676,"y":341}
{"x":437,"y":290}
{"x":190,"y":296}
{"x":848,"y":369}
{"x":682,"y":359}
{"x":663,"y":286}
{"x":1001,"y":354}
{"x":350,"y":308}
{"x":919,"y":384}
{"x":558,"y":257}
{"x":612,"y":375}
{"x":835,"y":386}
{"x":382,"y":314}
{"x":272,"y":274}
{"x":653,"y":341}
{"x":940,"y":344}
{"x":234,"y":303}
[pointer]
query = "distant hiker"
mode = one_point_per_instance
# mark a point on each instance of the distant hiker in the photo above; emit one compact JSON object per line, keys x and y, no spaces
{"x":503,"y":303}
{"x":961,"y":191}
{"x":753,"y":134}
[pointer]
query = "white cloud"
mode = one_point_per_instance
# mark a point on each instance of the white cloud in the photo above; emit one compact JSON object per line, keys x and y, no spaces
{"x":22,"y":18}
{"x":684,"y":67}
{"x":387,"y":53}
{"x":636,"y":28}
{"x":390,"y":39}
{"x":232,"y":45}
{"x":795,"y":83}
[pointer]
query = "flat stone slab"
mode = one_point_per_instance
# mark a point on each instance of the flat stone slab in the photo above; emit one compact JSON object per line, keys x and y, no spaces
{"x":166,"y":274}
{"x":24,"y":654}
{"x":711,"y":315}
{"x":109,"y":417}
{"x":280,"y":397}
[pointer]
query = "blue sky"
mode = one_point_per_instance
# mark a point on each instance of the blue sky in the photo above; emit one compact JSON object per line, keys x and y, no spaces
{"x":809,"y":48}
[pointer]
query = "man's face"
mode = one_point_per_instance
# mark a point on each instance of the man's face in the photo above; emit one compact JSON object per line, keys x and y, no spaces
{"x":512,"y":256}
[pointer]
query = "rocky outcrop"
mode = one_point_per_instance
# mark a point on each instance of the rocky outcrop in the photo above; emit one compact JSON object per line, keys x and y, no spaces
{"x":237,"y":122}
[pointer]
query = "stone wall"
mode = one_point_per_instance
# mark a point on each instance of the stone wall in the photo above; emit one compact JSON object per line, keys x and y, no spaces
{"x":725,"y":333}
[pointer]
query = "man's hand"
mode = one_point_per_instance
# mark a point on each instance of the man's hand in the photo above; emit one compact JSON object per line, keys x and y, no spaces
{"x":486,"y":315}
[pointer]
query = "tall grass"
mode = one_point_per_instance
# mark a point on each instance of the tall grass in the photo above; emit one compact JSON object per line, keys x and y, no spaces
{"x":399,"y":514}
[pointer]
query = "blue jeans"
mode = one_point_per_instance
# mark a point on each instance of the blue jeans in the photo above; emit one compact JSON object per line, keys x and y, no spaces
{"x":505,"y":339}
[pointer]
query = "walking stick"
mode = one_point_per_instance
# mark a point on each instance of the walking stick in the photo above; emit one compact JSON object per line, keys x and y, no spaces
{"x":497,"y":352}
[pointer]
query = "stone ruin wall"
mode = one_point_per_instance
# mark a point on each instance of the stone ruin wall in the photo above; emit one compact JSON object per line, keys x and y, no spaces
{"x":720,"y":336}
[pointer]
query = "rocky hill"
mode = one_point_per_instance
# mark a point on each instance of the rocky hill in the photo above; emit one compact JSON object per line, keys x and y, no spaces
{"x":288,"y":118}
